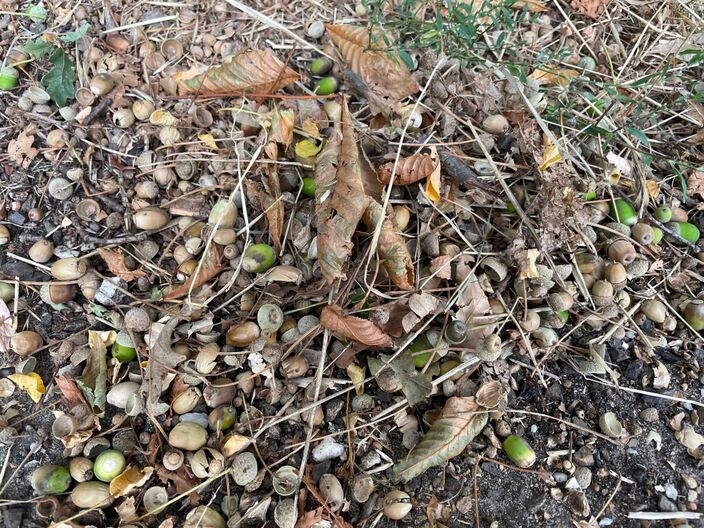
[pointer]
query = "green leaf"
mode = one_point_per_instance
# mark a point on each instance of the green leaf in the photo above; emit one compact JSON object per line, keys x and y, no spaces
{"x":59,"y":80}
{"x":38,"y":48}
{"x":461,"y":420}
{"x":639,"y":135}
{"x":36,"y":13}
{"x":73,"y":36}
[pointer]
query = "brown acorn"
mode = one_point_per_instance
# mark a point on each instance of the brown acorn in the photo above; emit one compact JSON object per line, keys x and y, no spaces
{"x":622,"y":251}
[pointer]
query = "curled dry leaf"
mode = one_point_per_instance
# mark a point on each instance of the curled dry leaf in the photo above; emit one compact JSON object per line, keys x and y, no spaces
{"x":354,"y":328}
{"x":340,"y":200}
{"x":415,"y":385}
{"x":256,"y":71}
{"x":282,"y":123}
{"x":21,"y":150}
{"x":460,"y":421}
{"x":6,"y":327}
{"x":408,"y":170}
{"x":383,"y":72}
{"x":94,"y":379}
{"x":392,"y":249}
{"x":115,"y":260}
{"x":209,"y":268}
{"x":131,"y":478}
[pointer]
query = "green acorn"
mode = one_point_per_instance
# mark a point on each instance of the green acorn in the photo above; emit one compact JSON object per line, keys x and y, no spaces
{"x":50,"y":480}
{"x":663,"y":213}
{"x":622,"y":211}
{"x":418,"y":349}
{"x":308,"y":187}
{"x":123,"y":349}
{"x":694,"y":314}
{"x":688,"y":231}
{"x":9,"y":77}
{"x":109,"y":464}
{"x":258,"y":258}
{"x":519,"y":451}
{"x":657,"y":235}
{"x":326,"y":86}
{"x":589,"y":196}
{"x":320,"y":66}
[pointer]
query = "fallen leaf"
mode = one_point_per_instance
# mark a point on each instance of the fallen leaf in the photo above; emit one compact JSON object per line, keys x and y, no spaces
{"x":256,"y":71}
{"x":307,"y":148}
{"x":661,"y":380}
{"x":131,"y":478}
{"x":282,"y":123}
{"x":653,"y":189}
{"x":383,"y":72}
{"x":6,"y":327}
{"x":209,"y":268}
{"x":432,"y":186}
{"x":590,"y":8}
{"x":70,"y":391}
{"x":392,"y":250}
{"x":416,"y":386}
{"x":526,"y":263}
{"x":695,"y":183}
{"x":408,"y":170}
{"x":161,"y":359}
{"x":31,"y":383}
{"x":93,"y":380}
{"x":440,"y":266}
{"x":354,"y":328}
{"x":460,"y":421}
{"x":209,"y":141}
{"x":21,"y":151}
{"x":554,"y":77}
{"x":356,"y":374}
{"x":272,"y":205}
{"x":340,"y":201}
{"x":423,"y":304}
{"x":115,"y":260}
{"x":310,"y":128}
{"x":551,"y":155}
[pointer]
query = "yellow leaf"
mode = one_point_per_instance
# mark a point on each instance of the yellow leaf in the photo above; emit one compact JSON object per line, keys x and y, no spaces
{"x":551,"y":155}
{"x":653,"y":188}
{"x":101,"y":339}
{"x":526,"y":263}
{"x":356,"y":374}
{"x":557,"y":77}
{"x":307,"y":149}
{"x":433,"y":185}
{"x":31,"y":383}
{"x":209,"y":141}
{"x":310,"y":128}
{"x":129,"y":479}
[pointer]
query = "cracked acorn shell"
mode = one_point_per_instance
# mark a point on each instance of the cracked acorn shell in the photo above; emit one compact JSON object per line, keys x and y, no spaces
{"x":154,"y":498}
{"x":285,"y":481}
{"x":331,"y":490}
{"x":397,"y":504}
{"x":206,"y":462}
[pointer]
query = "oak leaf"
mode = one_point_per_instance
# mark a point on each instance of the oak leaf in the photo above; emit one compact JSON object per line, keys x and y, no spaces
{"x":211,"y":266}
{"x":340,"y":200}
{"x":408,"y":170}
{"x":460,"y":421}
{"x":115,"y":260}
{"x":383,"y":72}
{"x":354,"y":328}
{"x":256,"y":71}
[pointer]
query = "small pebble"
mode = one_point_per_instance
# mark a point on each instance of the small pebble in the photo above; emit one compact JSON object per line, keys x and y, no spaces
{"x":108,"y":294}
{"x":328,"y":449}
{"x":690,"y":481}
{"x":583,"y":476}
{"x":670,"y":491}
{"x":560,"y":477}
{"x":316,"y":30}
{"x":370,"y":460}
{"x":606,"y":521}
{"x":332,"y":409}
{"x":649,"y":414}
{"x":584,"y":456}
{"x":666,"y":505}
{"x":16,"y":218}
{"x":362,"y":403}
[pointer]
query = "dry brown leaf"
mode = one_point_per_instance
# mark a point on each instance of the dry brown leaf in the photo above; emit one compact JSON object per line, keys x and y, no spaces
{"x":162,"y":359}
{"x":590,"y":8}
{"x":340,"y":200}
{"x":408,"y":170}
{"x":70,"y":391}
{"x":695,"y":183}
{"x":392,"y":250}
{"x":127,"y":510}
{"x":116,"y":264}
{"x":526,"y":263}
{"x":441,"y":267}
{"x":282,"y":123}
{"x":211,"y":266}
{"x":557,"y":77}
{"x":270,"y":197}
{"x":256,"y":71}
{"x":21,"y":151}
{"x":384,"y":73}
{"x":354,"y":328}
{"x":310,"y":518}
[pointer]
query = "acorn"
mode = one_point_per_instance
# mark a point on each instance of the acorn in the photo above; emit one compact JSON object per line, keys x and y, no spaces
{"x":622,"y":251}
{"x":102,"y":84}
{"x":123,"y":349}
{"x":186,"y":401}
{"x":57,"y":293}
{"x":623,"y":212}
{"x":495,"y":124}
{"x":456,"y":332}
{"x":402,"y":215}
{"x":530,"y":321}
{"x":320,"y":66}
{"x":688,"y":231}
{"x":519,"y":451}
{"x":326,"y":86}
{"x":694,"y":314}
{"x":81,"y":469}
{"x":68,"y":269}
{"x":50,"y":480}
{"x":331,"y":490}
{"x":41,"y":251}
{"x":150,"y":218}
{"x":123,"y":117}
{"x":657,"y":235}
{"x":258,"y":258}
{"x":243,"y":334}
{"x":560,"y":301}
{"x":91,"y":494}
{"x":679,"y":215}
{"x":308,"y":187}
{"x":222,"y":418}
{"x":602,"y":293}
{"x":9,"y":77}
{"x":654,"y":310}
{"x":7,"y":291}
{"x":26,"y":343}
{"x":109,"y":464}
{"x":142,"y":109}
{"x":663,"y":213}
{"x":615,"y":273}
{"x":188,"y":436}
{"x":397,"y":504}
{"x":223,"y":213}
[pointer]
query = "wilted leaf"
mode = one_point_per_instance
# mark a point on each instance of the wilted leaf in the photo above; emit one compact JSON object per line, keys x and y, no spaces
{"x":211,"y":266}
{"x":461,"y":420}
{"x":432,"y":186}
{"x":526,"y":263}
{"x":590,"y":8}
{"x":93,"y":381}
{"x":551,"y":155}
{"x":383,"y":72}
{"x":129,"y":479}
{"x":415,"y":385}
{"x":282,"y":123}
{"x":256,"y":71}
{"x":354,"y":328}
{"x":70,"y":391}
{"x":422,"y":303}
{"x":392,"y":250}
{"x":356,"y":374}
{"x":307,"y":148}
{"x":408,"y":170}
{"x":161,"y":359}
{"x":273,"y":206}
{"x":31,"y":383}
{"x":6,"y":327}
{"x":127,"y":511}
{"x":661,"y":379}
{"x":340,"y":200}
{"x":209,"y":141}
{"x":441,"y":267}
{"x":21,"y":150}
{"x":116,"y":264}
{"x":310,"y":128}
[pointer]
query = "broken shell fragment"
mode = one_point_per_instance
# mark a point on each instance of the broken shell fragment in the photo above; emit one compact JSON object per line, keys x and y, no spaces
{"x":285,"y":481}
{"x":397,"y":504}
{"x":154,"y":498}
{"x":610,"y":426}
